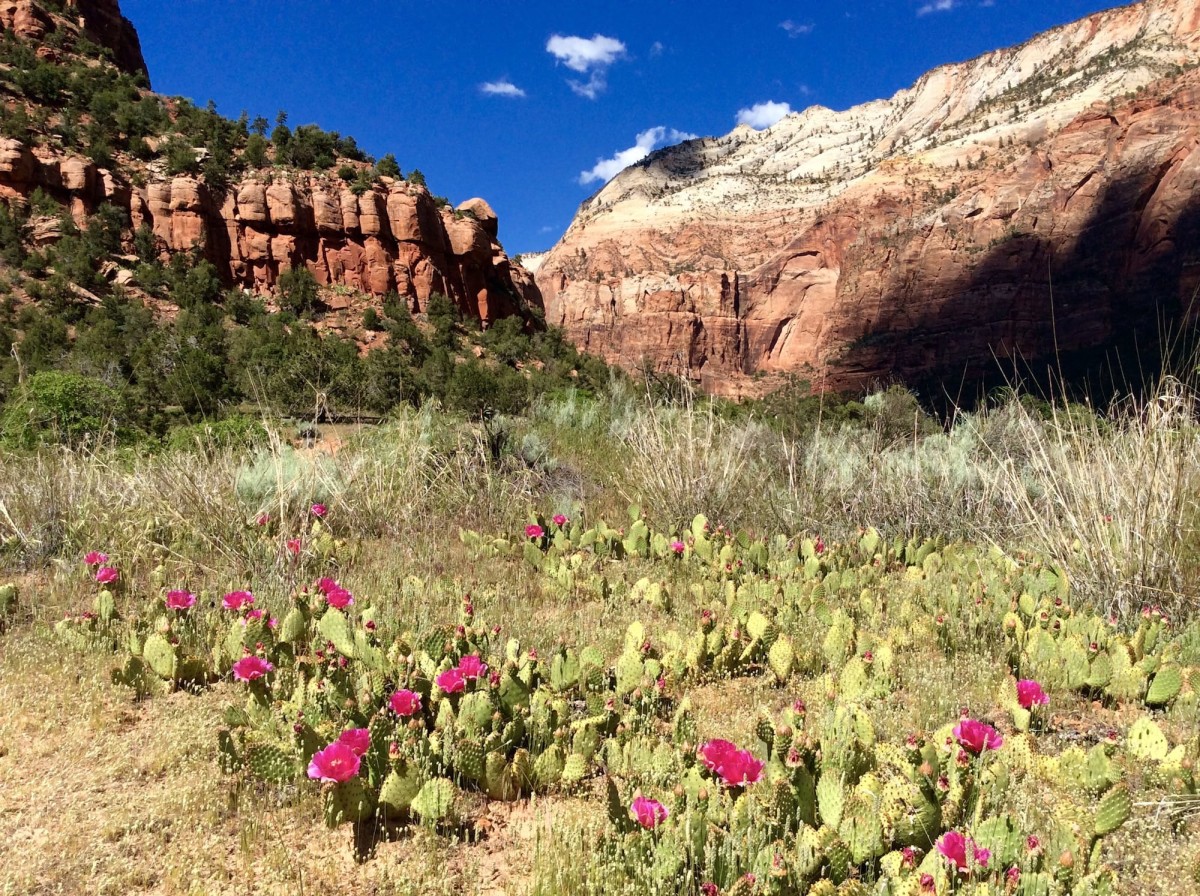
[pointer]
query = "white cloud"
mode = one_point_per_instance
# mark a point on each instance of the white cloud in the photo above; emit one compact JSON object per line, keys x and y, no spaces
{"x":503,"y":87}
{"x":588,"y":56}
{"x":591,"y":88}
{"x":656,"y":49}
{"x":763,"y":115}
{"x":795,"y":29}
{"x":646,"y":142}
{"x":581,"y":54}
{"x":937,"y":6}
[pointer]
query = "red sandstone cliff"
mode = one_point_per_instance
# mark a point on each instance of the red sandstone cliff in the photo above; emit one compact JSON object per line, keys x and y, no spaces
{"x":100,"y":20}
{"x":390,"y":236}
{"x":1038,"y":200}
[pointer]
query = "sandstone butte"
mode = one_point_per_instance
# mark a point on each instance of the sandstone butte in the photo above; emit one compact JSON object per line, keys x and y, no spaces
{"x":394,"y":236}
{"x":1037,"y":202}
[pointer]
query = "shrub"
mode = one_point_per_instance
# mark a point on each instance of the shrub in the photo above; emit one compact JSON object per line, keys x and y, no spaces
{"x":298,"y":290}
{"x":233,"y":433}
{"x":52,"y":407}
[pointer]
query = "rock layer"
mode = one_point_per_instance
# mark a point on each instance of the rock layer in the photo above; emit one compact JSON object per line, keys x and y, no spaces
{"x":393,"y":237}
{"x":1004,"y":209}
{"x":100,"y":20}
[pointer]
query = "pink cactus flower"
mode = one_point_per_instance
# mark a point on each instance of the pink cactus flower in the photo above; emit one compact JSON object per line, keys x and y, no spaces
{"x":293,"y":546}
{"x":819,"y":545}
{"x":1030,"y":693}
{"x":263,"y":519}
{"x":337,"y":763}
{"x":928,"y":885}
{"x":95,"y":558}
{"x":106,"y":575}
{"x":253,"y":616}
{"x":648,"y":813}
{"x":339,"y":598}
{"x":953,"y":847}
{"x":961,"y":851}
{"x":533,"y":530}
{"x":326,"y":584}
{"x":737,"y":768}
{"x":248,"y":668}
{"x":180,"y":600}
{"x":237,"y":600}
{"x":319,"y":511}
{"x":452,"y":681}
{"x":678,"y":547}
{"x":560,"y":520}
{"x":357,"y":739}
{"x":472,"y":667}
{"x":975,"y":736}
{"x":405,"y":703}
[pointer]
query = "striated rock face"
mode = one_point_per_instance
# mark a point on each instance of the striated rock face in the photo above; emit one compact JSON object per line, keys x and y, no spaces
{"x":393,"y":237}
{"x":100,"y":20}
{"x":1028,"y":203}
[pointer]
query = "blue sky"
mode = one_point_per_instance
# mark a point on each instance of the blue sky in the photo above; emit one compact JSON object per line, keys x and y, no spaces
{"x":532,"y":104}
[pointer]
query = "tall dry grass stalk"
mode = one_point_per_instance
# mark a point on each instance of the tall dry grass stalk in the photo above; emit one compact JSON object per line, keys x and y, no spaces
{"x":1115,"y":499}
{"x":684,"y":460}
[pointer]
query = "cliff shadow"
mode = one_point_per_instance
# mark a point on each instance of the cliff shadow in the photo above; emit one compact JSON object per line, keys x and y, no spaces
{"x":1105,"y":316}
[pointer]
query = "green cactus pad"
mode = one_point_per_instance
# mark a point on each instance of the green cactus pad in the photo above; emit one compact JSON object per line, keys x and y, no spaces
{"x":1113,"y":810}
{"x":435,"y":800}
{"x":781,"y":659}
{"x":347,"y":802}
{"x":335,"y":627}
{"x":1146,"y":741}
{"x":1166,"y":686}
{"x":271,"y":763}
{"x":161,"y":657}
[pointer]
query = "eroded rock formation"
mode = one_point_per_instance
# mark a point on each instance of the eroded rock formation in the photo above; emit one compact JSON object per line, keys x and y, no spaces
{"x":1038,"y":201}
{"x":393,"y":237}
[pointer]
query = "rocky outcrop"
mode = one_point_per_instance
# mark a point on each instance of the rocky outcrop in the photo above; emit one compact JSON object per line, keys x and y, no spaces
{"x":100,"y":20}
{"x":393,"y":237}
{"x":1038,"y":201}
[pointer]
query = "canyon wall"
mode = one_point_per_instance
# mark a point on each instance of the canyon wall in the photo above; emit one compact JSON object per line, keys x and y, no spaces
{"x":1036,"y":204}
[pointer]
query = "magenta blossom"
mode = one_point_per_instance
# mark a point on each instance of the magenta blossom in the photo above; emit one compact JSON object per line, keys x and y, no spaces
{"x":975,"y":736}
{"x":237,"y":600}
{"x":955,"y":847}
{"x":678,"y":546}
{"x":357,"y":739}
{"x":647,"y":812}
{"x":253,"y":616}
{"x":452,"y":681}
{"x":106,"y":575}
{"x":326,"y":584}
{"x":337,"y":763}
{"x":263,"y":519}
{"x":293,"y":546}
{"x":737,"y":768}
{"x":1030,"y":693}
{"x":472,"y":667}
{"x":560,"y":520}
{"x":180,"y":600}
{"x":248,"y":668}
{"x":533,"y":530}
{"x":319,"y":511}
{"x":339,"y":598}
{"x":95,"y":558}
{"x":405,"y":703}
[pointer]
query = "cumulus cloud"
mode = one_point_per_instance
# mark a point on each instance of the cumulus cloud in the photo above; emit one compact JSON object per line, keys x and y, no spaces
{"x":937,"y":6}
{"x":589,"y":56}
{"x":795,"y":29}
{"x":647,"y":141}
{"x":763,"y":115}
{"x":503,"y":87}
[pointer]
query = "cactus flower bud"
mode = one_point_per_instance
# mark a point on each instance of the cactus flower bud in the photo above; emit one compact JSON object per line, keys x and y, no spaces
{"x":1066,"y":860}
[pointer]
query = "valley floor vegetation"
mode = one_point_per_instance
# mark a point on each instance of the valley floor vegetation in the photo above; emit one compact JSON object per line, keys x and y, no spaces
{"x":606,"y":642}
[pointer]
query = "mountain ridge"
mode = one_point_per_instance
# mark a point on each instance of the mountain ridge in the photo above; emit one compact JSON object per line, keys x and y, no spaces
{"x":743,"y":259}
